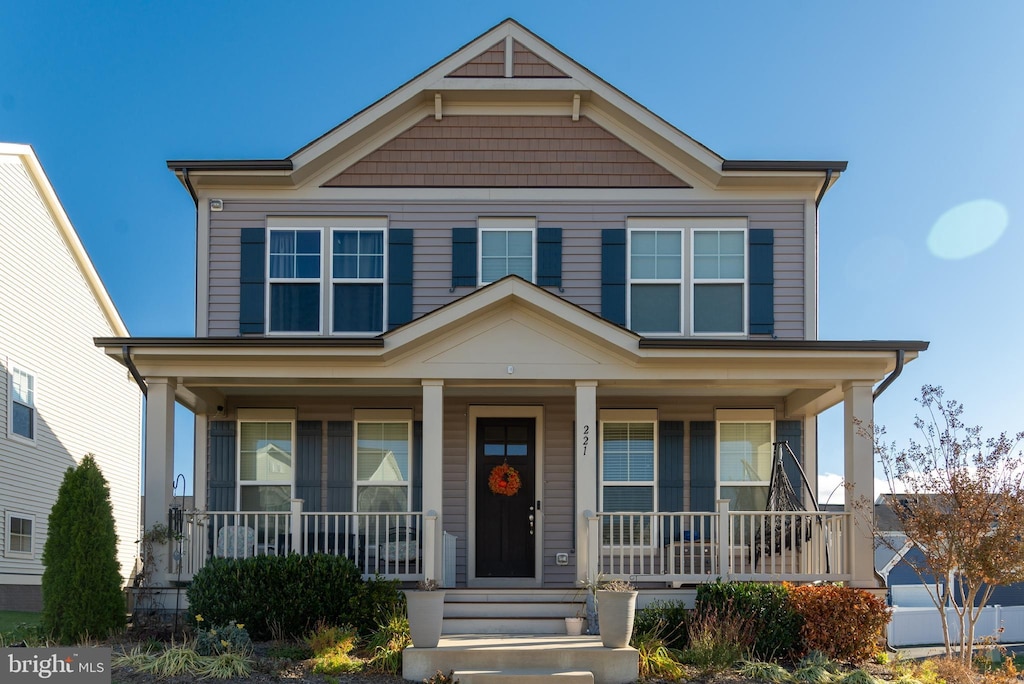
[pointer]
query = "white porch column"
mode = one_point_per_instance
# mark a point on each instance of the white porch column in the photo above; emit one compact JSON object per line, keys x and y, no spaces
{"x":586,"y":470}
{"x":859,"y":453}
{"x":433,"y":473}
{"x":159,"y":462}
{"x":200,"y":462}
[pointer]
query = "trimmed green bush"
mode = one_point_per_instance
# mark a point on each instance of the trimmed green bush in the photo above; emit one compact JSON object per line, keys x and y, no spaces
{"x":777,"y":625}
{"x":289,"y":595}
{"x":82,"y":595}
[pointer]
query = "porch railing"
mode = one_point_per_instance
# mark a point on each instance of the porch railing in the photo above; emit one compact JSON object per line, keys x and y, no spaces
{"x":687,"y":548}
{"x":389,"y":544}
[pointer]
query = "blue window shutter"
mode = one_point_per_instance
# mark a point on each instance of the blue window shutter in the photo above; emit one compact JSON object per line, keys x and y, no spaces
{"x":417,"y":465}
{"x":309,"y":435}
{"x":613,"y":275}
{"x":252,"y":281}
{"x":761,"y":313}
{"x":549,"y":257}
{"x":399,"y":276}
{"x":339,"y":466}
{"x":221,"y":478}
{"x":464,"y":257}
{"x":702,"y":465}
{"x":792,"y":431}
{"x":670,"y":468}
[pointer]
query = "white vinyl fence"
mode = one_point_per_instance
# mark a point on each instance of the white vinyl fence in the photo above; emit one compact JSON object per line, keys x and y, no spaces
{"x":921,"y":626}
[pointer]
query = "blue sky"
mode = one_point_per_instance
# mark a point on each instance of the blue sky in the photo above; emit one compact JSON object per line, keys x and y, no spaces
{"x":924,"y":99}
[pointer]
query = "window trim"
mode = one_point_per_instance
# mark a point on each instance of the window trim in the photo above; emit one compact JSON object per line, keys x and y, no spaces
{"x":744,"y":282}
{"x":687,"y":227}
{"x":740,"y":416}
{"x":271,"y":281}
{"x":8,"y":551}
{"x":521,"y":224}
{"x":262,"y":416}
{"x":326,"y":225}
{"x":377,"y":416}
{"x":646,"y":416}
{"x":14,"y":368}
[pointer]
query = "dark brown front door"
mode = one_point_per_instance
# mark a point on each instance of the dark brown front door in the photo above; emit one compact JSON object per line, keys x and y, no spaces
{"x":505,"y":532}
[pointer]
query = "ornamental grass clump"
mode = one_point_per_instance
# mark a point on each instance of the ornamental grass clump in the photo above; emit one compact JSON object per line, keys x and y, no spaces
{"x":764,"y":672}
{"x":388,"y":641}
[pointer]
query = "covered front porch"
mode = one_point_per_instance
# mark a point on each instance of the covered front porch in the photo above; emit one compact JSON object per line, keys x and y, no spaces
{"x":509,"y":372}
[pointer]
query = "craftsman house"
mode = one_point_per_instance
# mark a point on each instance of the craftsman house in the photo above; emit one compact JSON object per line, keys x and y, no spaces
{"x":509,"y":329}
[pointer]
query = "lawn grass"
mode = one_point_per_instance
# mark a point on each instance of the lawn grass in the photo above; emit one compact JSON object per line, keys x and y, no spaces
{"x":12,"y":619}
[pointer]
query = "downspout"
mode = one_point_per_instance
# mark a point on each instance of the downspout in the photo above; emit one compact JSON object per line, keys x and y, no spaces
{"x":821,"y":193}
{"x":126,"y":356}
{"x":195,"y":198}
{"x":900,"y":355}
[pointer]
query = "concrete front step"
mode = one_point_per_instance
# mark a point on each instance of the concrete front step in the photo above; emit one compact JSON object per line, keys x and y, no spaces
{"x":497,"y":611}
{"x":543,"y":655}
{"x":525,"y":676}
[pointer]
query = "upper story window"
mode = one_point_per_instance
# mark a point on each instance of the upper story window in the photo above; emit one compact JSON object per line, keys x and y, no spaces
{"x":265,"y":458}
{"x":20,"y":530}
{"x":357,"y":280}
{"x":383,"y":460}
{"x":507,"y":248}
{"x":346,"y":289}
{"x":22,"y":404}
{"x":295,"y":272}
{"x":687,"y":276}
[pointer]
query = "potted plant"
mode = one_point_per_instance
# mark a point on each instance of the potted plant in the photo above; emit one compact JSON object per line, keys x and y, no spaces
{"x":616,"y":605}
{"x":425,"y":609}
{"x":574,"y":624}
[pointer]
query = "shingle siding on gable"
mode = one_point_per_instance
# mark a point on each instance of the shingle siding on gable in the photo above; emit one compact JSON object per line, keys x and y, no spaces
{"x":581,"y":224}
{"x":489,"y":64}
{"x":507,"y":152}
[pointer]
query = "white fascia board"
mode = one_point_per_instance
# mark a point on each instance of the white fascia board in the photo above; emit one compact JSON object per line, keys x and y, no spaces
{"x":70,"y":235}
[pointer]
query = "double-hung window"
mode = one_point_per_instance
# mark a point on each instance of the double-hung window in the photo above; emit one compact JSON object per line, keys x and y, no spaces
{"x":687,"y":276}
{"x":22,"y":405}
{"x":20,"y":529}
{"x":327,"y":273}
{"x":295,"y":269}
{"x":265,"y":457}
{"x":383,"y":461}
{"x":357,"y":280}
{"x":628,"y":466}
{"x":507,"y":248}
{"x":745,"y":457}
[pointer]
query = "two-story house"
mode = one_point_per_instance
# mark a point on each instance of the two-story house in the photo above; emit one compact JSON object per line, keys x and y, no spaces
{"x":507,"y":328}
{"x":60,"y":397}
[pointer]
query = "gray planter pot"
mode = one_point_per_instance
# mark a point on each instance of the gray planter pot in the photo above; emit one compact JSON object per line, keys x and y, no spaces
{"x":574,"y":626}
{"x":616,"y":610}
{"x":426,"y":613}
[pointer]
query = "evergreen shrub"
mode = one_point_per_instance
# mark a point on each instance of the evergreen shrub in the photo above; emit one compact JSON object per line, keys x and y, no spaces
{"x":289,"y":595}
{"x":82,"y":594}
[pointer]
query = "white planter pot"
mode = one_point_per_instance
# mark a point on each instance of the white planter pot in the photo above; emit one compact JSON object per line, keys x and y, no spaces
{"x":574,"y":626}
{"x":616,"y":610}
{"x":426,"y":613}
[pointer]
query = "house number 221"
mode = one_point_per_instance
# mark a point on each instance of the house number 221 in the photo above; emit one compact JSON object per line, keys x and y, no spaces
{"x":586,"y":438}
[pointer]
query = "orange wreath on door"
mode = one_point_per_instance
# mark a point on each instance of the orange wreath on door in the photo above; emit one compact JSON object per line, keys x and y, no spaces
{"x":504,"y":480}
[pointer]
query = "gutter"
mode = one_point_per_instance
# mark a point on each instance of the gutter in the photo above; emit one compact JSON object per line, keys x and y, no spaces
{"x":900,"y":354}
{"x":126,"y":356}
{"x":821,"y":193}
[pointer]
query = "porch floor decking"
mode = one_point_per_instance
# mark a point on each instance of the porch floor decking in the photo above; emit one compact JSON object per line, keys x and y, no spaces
{"x":523,"y":657}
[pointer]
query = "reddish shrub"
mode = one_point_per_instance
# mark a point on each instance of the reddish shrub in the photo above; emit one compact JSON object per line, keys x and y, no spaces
{"x":845,"y":624}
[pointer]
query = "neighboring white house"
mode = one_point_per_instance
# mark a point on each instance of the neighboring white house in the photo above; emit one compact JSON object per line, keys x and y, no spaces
{"x":60,"y":397}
